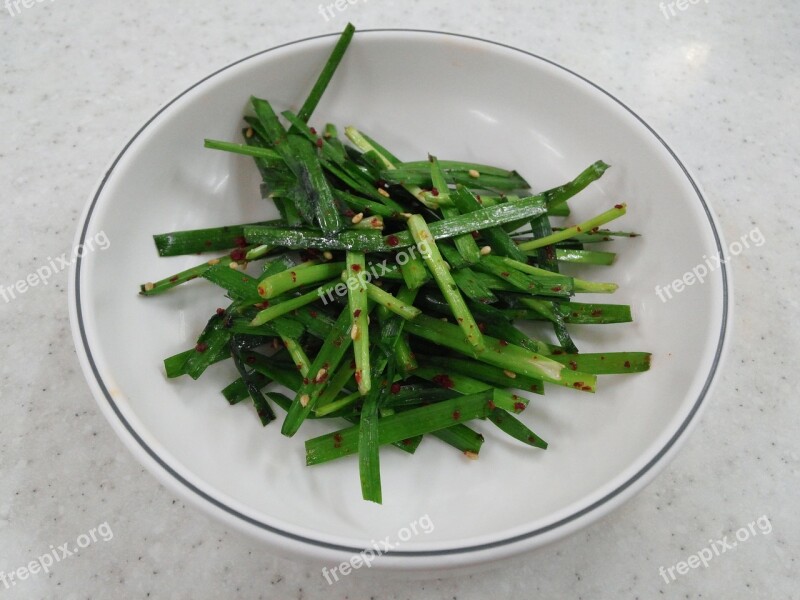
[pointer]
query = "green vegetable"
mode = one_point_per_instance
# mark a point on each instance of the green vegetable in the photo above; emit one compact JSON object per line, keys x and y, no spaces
{"x":406,"y":312}
{"x":441,"y":273}
{"x":401,"y":426}
{"x":359,"y":315}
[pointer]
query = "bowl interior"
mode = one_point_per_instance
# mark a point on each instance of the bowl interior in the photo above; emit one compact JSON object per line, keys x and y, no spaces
{"x":418,"y":93}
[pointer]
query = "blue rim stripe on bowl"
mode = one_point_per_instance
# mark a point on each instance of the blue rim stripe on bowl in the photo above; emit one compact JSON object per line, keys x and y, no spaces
{"x":399,"y":553}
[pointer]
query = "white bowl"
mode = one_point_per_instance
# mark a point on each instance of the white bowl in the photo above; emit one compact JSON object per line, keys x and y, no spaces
{"x":418,"y":92}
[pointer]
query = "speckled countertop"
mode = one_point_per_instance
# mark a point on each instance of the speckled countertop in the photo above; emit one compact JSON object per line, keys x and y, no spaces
{"x":718,"y":79}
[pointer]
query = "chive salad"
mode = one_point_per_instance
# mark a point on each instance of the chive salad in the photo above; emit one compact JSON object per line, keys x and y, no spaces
{"x":388,"y":296}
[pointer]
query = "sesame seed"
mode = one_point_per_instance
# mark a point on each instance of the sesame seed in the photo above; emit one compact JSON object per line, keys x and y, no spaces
{"x":471,"y":455}
{"x":234,"y":265}
{"x":321,"y":374}
{"x":148,"y":286}
{"x":474,"y":174}
{"x":383,"y":192}
{"x":304,"y":400}
{"x":486,"y":250}
{"x":213,"y":261}
{"x":406,"y":215}
{"x":327,"y":255}
{"x":354,"y":333}
{"x":357,"y":218}
{"x":510,"y":374}
{"x":249,"y":133}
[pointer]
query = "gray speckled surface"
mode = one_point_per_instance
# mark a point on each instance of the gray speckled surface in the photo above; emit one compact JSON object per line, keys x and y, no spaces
{"x":719,"y":81}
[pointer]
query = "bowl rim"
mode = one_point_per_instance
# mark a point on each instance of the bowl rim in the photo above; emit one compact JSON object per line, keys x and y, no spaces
{"x":168,"y":475}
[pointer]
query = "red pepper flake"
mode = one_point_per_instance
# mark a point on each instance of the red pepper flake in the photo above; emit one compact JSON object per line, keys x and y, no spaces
{"x":313,"y":130}
{"x":505,"y":274}
{"x":349,"y":213}
{"x":597,"y":312}
{"x":618,"y":206}
{"x":356,"y":268}
{"x":556,"y":288}
{"x":263,"y":305}
{"x":261,"y":291}
{"x":381,"y":183}
{"x":407,"y":442}
{"x":573,"y":365}
{"x":392,"y":240}
{"x":456,"y":415}
{"x":352,"y":364}
{"x":578,"y":384}
{"x":532,"y":439}
{"x":492,"y":405}
{"x":173,"y":279}
{"x":627,"y":364}
{"x":357,"y":313}
{"x":238,"y":254}
{"x":587,"y":388}
{"x":395,"y":388}
{"x":220,"y":311}
{"x":550,"y":252}
{"x":519,"y":406}
{"x":358,"y":376}
{"x":305,"y":381}
{"x":558,"y":352}
{"x":575,"y":314}
{"x":337,"y":440}
{"x":240,"y":241}
{"x":434,"y":192}
{"x":250,"y":360}
{"x":313,"y":314}
{"x":503,"y":343}
{"x":201,"y":347}
{"x":319,"y":142}
{"x":534,"y":388}
{"x":476,"y":235}
{"x":482,"y":327}
{"x":443,"y":380}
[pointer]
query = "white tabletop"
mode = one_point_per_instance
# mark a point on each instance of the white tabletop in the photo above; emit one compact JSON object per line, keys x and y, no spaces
{"x":719,"y":80}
